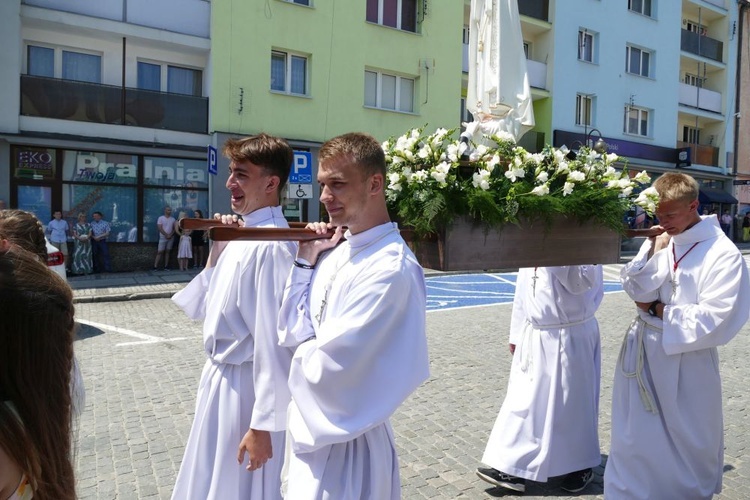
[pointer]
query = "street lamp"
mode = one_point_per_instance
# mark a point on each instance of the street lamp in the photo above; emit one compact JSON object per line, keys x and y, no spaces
{"x":600,"y":146}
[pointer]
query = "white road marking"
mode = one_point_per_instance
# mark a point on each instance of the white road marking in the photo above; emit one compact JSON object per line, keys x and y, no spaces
{"x":145,"y":338}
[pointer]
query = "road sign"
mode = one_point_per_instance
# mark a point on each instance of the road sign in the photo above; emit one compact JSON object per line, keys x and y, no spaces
{"x":300,"y":191}
{"x":213,"y":160}
{"x":301,"y":168}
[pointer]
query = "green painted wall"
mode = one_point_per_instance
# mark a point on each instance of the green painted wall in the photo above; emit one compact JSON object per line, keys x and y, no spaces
{"x":340,"y":44}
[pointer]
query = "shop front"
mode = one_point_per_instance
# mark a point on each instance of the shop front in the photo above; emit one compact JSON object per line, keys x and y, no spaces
{"x":130,"y":190}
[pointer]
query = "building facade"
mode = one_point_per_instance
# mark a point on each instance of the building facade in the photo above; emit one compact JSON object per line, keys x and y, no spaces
{"x":309,"y":70}
{"x":104,"y":108}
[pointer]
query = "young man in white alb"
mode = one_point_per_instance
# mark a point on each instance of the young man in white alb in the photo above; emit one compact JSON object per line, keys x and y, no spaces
{"x":355,"y":311}
{"x":692,"y":291}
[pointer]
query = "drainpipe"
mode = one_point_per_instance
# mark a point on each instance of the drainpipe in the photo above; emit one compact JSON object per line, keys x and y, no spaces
{"x":738,"y":73}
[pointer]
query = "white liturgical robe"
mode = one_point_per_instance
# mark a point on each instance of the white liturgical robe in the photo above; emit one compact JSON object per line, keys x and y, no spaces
{"x":244,"y":380}
{"x":359,"y":322}
{"x":548,"y":423}
{"x":667,"y":424}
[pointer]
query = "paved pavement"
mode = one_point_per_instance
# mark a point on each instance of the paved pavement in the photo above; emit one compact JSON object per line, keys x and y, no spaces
{"x":141,"y":361}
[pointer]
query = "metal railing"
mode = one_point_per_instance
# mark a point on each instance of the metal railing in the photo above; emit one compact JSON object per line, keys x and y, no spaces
{"x":109,"y":104}
{"x":538,"y":9}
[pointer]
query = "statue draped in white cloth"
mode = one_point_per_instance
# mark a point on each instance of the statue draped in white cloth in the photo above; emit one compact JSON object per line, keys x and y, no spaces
{"x":498,"y":93}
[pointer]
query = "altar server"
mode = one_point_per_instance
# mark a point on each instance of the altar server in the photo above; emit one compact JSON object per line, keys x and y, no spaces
{"x":356,"y":312}
{"x":243,"y":394}
{"x":548,"y":422}
{"x":692,"y":293}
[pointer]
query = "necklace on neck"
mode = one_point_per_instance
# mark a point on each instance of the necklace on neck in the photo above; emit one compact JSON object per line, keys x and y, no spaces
{"x":339,"y":267}
{"x":676,"y":264}
{"x":533,"y":282}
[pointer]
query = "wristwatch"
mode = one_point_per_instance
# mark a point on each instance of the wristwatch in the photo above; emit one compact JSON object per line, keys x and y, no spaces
{"x":652,"y":308}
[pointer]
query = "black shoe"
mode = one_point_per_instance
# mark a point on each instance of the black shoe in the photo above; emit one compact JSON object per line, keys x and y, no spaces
{"x":577,"y":481}
{"x":501,"y":479}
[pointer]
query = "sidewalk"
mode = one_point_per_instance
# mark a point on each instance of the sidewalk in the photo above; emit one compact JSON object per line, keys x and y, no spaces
{"x":112,"y":287}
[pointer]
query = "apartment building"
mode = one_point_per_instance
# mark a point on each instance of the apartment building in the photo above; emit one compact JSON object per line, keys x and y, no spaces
{"x":654,"y":80}
{"x":309,"y":70}
{"x":103,"y":107}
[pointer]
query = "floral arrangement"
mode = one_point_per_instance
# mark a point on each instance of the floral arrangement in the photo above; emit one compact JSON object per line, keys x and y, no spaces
{"x":432,"y":181}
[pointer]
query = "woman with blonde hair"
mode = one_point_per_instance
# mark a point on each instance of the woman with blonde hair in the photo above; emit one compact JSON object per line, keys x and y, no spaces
{"x":36,"y":362}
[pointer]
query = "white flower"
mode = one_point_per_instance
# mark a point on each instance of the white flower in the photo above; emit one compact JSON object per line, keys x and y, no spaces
{"x":537,"y":158}
{"x":515,"y":173}
{"x":419,"y":176}
{"x":642,"y":178}
{"x":563,"y":167}
{"x":611,"y":158}
{"x":394,"y":177}
{"x":505,"y":136}
{"x":481,"y":179}
{"x":542,"y":177}
{"x":493,"y":162}
{"x":443,"y":167}
{"x":438,"y":176}
{"x":576,"y":176}
{"x":425,"y":151}
{"x":568,"y":188}
{"x":395,"y":187}
{"x":540,"y":190}
{"x":478,"y":153}
{"x":627,"y":191}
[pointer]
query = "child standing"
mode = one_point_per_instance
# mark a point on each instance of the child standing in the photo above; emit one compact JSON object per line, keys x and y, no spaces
{"x":185,"y":249}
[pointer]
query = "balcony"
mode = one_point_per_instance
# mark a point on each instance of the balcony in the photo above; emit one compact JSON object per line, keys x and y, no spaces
{"x":702,"y":45}
{"x":699,"y":98}
{"x":108,"y":104}
{"x":700,"y":154}
{"x":465,"y":60}
{"x":537,"y":72}
{"x":538,"y":9}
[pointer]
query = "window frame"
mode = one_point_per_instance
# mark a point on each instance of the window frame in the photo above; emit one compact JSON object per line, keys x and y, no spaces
{"x":397,"y":97}
{"x":642,"y":52}
{"x":691,"y":135}
{"x":57,"y":58}
{"x":164,"y":75}
{"x":583,"y":35}
{"x":399,"y":14}
{"x":584,"y":117}
{"x":288,"y":72}
{"x":639,"y":121}
{"x":694,"y":80}
{"x":644,"y":5}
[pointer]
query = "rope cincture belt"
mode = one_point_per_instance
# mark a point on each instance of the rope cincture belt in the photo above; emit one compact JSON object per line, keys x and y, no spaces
{"x":526,"y":353}
{"x":646,"y":397}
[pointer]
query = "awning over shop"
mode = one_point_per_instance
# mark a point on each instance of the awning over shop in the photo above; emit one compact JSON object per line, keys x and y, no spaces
{"x":711,"y":195}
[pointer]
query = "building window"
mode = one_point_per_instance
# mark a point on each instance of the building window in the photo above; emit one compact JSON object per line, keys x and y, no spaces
{"x":636,"y":121}
{"x":400,"y":14}
{"x":584,"y":106}
{"x":526,"y":49}
{"x":694,"y":80}
{"x":149,"y":76}
{"x":389,"y":92}
{"x":81,"y":67}
{"x":179,"y":80}
{"x":694,"y":27}
{"x":40,"y":61}
{"x":288,"y":73}
{"x":300,"y":2}
{"x":691,"y":135}
{"x":637,"y":61}
{"x":640,"y":6}
{"x":586,"y":47}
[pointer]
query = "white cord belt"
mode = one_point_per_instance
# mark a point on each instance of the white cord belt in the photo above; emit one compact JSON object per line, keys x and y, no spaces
{"x":529,"y":326}
{"x":646,"y":397}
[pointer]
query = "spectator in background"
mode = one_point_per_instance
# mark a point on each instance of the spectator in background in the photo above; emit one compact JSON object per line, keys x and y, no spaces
{"x":82,"y":263}
{"x":166,"y":225}
{"x":36,"y":362}
{"x":100,"y":232}
{"x":746,"y":227}
{"x":3,"y":205}
{"x":198,"y":238}
{"x":726,"y":222}
{"x":58,"y":230}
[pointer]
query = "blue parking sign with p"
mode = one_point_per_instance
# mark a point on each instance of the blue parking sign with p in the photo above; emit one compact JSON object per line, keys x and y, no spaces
{"x":213,"y":161}
{"x":301,"y":172}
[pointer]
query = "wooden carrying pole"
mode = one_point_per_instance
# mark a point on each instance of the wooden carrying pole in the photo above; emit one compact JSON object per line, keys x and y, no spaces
{"x":203,"y":224}
{"x":231,"y":233}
